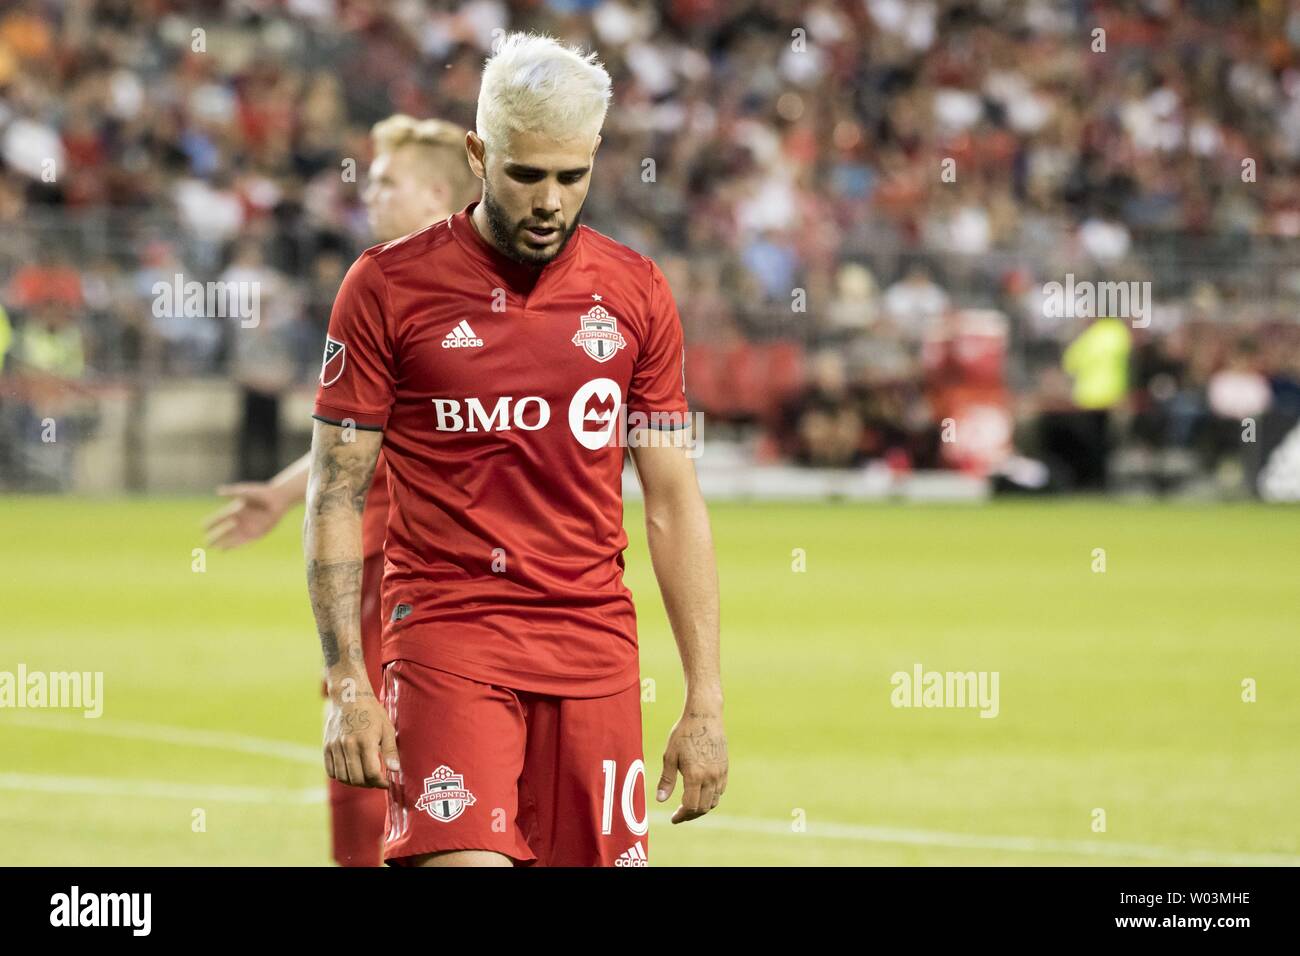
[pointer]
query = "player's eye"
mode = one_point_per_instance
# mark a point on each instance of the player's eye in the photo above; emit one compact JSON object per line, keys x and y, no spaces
{"x":525,"y":175}
{"x":568,"y":179}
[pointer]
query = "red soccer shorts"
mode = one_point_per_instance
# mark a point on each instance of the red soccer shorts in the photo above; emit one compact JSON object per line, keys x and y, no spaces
{"x":551,"y":781}
{"x":358,"y":814}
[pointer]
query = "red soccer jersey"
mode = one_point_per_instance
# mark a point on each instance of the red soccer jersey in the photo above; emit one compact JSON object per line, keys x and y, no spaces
{"x":498,"y":388}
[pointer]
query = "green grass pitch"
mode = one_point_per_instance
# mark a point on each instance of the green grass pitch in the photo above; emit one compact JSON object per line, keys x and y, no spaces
{"x":1119,"y":691}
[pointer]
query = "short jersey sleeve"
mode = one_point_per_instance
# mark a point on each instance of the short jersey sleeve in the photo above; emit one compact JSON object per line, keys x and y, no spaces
{"x":658,"y":386}
{"x":356,"y":378}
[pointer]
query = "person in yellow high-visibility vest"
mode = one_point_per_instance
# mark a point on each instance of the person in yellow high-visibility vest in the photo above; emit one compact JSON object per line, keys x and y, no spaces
{"x":1078,"y":441}
{"x":6,"y":336}
{"x":1098,"y":362}
{"x":55,"y":347}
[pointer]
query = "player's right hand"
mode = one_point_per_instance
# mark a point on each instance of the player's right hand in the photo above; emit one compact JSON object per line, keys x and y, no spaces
{"x":255,"y":509}
{"x":360,"y":744}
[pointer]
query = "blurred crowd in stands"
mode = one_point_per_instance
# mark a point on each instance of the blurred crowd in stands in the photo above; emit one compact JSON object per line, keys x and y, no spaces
{"x":825,"y":184}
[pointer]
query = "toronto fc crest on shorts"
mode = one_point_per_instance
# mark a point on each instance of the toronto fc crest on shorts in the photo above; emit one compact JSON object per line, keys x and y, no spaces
{"x":598,"y":334}
{"x":445,"y":797}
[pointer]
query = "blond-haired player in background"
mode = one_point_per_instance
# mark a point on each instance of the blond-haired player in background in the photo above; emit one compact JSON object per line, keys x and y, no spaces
{"x":418,"y":176}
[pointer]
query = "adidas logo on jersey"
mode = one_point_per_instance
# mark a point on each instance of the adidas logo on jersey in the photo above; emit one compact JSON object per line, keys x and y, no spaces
{"x":462,"y":337}
{"x":633,"y":857}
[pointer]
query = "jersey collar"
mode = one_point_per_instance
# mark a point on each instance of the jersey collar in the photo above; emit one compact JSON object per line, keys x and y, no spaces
{"x":518,"y":276}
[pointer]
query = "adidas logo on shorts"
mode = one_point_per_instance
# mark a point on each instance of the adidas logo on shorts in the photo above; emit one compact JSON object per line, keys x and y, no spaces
{"x":462,"y":337}
{"x":633,"y":857}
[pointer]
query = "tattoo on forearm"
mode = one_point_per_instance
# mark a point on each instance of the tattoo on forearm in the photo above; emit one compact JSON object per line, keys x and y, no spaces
{"x":335,"y":590}
{"x":329,"y":645}
{"x":341,"y":471}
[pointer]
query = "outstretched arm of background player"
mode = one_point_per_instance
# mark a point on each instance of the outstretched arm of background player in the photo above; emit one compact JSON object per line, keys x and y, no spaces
{"x":258,"y":506}
{"x":359,"y":739}
{"x":681,"y":550}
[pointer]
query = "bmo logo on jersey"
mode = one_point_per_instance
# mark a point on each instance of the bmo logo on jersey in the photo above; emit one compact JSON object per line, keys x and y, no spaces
{"x":527,"y":414}
{"x":593,"y":413}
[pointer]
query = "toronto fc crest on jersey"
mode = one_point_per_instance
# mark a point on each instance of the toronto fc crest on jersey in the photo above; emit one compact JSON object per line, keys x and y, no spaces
{"x":598,"y":334}
{"x":445,"y":797}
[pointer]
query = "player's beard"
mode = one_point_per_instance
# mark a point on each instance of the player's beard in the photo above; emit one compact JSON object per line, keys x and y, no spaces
{"x":506,"y":232}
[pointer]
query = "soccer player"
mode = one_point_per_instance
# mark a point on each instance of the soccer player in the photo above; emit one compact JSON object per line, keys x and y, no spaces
{"x":418,"y":176}
{"x":494,"y":356}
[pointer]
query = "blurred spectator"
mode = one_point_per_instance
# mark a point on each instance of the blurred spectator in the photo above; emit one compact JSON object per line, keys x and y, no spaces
{"x":182,"y":340}
{"x":1238,"y":390}
{"x":823,"y":426}
{"x":1078,"y":441}
{"x":262,"y":356}
{"x":44,"y":408}
{"x":1097,"y":361}
{"x":915,"y":302}
{"x":1239,"y":397}
{"x":6,"y":336}
{"x":855,"y":306}
{"x":48,"y":282}
{"x":50,"y":343}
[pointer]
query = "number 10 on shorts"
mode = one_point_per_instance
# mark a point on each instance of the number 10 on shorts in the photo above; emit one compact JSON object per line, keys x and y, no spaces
{"x":635,"y":778}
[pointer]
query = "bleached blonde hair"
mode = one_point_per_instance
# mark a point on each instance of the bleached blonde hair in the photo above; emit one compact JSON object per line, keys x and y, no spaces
{"x":444,"y":142}
{"x":534,"y":84}
{"x":400,"y":129}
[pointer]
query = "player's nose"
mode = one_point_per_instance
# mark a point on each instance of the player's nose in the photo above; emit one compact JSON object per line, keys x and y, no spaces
{"x":546,"y":204}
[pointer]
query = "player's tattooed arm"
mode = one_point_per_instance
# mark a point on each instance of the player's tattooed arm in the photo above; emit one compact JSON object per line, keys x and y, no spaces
{"x":359,"y":739}
{"x":342,"y":465}
{"x":335,"y":590}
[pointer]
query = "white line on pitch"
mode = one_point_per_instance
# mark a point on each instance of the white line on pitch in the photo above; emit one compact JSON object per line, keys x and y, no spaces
{"x":167,"y":790}
{"x":168,"y":734}
{"x":299,"y":753}
{"x":964,"y":841}
{"x":161,"y":789}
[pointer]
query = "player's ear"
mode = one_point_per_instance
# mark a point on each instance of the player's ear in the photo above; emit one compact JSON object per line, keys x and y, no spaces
{"x":476,"y":153}
{"x":595,"y":146}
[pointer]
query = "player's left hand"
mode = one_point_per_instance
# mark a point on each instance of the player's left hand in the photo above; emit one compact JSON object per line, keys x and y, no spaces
{"x":253,"y":512}
{"x":697,"y":747}
{"x":360,"y":743}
